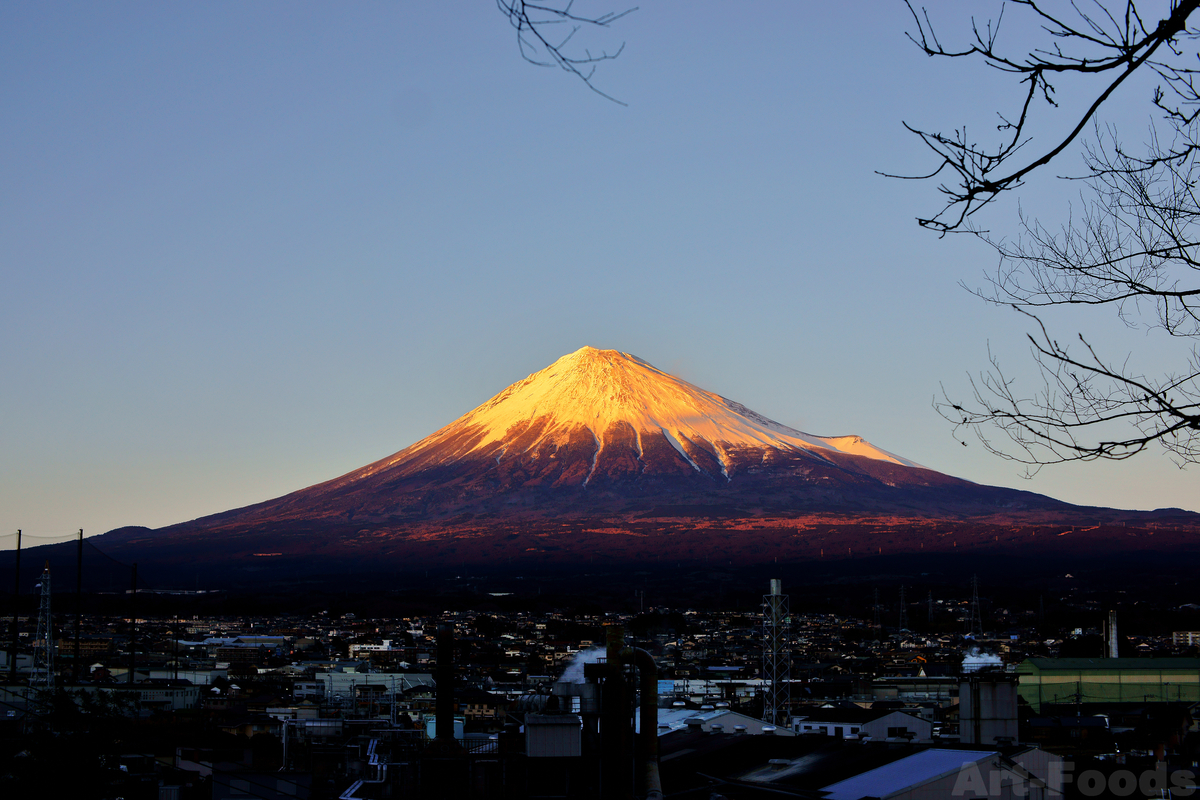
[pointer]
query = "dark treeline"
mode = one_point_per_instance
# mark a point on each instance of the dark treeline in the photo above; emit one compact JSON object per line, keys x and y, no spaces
{"x":1151,"y":591}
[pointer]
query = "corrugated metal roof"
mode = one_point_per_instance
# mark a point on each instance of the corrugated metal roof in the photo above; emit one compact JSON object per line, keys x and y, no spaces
{"x":1084,"y":664}
{"x":906,"y":773}
{"x":675,"y":719}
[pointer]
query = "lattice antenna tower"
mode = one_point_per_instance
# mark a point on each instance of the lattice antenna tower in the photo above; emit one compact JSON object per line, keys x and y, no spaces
{"x":43,"y":646}
{"x":903,"y":611}
{"x":777,"y":655}
{"x":976,"y":617}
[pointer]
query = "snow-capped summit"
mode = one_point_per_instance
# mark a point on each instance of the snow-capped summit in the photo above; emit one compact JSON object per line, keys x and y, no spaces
{"x":613,"y":396}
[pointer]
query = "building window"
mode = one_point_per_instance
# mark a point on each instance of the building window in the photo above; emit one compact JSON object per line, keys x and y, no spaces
{"x":897,"y":732}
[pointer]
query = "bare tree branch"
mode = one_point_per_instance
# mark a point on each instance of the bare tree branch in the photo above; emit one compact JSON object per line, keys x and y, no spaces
{"x":545,"y":32}
{"x":1136,"y":249}
{"x":1086,"y":409}
{"x":1132,"y":247}
{"x":1103,"y":45}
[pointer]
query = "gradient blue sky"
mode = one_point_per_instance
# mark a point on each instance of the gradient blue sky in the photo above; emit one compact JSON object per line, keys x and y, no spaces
{"x":247,"y":247}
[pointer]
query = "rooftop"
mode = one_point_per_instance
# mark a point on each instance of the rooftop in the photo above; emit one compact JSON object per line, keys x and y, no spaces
{"x":1082,"y":664}
{"x":906,"y":773}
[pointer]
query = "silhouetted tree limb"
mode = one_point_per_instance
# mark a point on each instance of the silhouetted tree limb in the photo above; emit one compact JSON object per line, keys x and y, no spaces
{"x":1108,"y":46}
{"x":1086,"y":409}
{"x":545,"y":32}
{"x":1134,"y":247}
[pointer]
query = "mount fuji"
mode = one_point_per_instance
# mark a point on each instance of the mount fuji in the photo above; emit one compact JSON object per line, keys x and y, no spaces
{"x":603,"y":431}
{"x":603,"y":456}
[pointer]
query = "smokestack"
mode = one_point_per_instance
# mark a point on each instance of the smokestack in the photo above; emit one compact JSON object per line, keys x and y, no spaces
{"x":1112,"y":634}
{"x":776,"y":587}
{"x":443,"y":772}
{"x":620,"y":750}
{"x":444,"y":726}
{"x":616,"y":730}
{"x":647,"y":741}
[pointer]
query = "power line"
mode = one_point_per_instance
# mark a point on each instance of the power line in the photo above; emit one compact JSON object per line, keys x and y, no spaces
{"x":65,"y":536}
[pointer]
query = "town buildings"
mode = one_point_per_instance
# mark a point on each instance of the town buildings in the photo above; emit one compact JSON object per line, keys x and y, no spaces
{"x":349,"y":703}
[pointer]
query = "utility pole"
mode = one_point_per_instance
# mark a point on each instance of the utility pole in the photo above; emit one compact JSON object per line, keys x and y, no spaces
{"x":931,"y":608}
{"x":903,"y":611}
{"x":12,"y":653}
{"x":78,"y":600}
{"x":132,"y":624}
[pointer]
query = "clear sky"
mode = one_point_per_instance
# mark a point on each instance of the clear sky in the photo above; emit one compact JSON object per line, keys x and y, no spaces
{"x":247,"y":247}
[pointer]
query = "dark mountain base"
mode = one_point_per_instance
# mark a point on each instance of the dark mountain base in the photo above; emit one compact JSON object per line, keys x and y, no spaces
{"x":581,"y":557}
{"x":1157,"y":585}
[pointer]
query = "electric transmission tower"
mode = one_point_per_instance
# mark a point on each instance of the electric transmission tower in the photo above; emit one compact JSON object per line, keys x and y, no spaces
{"x":43,"y":646}
{"x":777,"y":656}
{"x":975,"y":618}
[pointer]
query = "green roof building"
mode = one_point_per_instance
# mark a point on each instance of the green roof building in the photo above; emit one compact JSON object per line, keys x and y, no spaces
{"x":1108,"y":680}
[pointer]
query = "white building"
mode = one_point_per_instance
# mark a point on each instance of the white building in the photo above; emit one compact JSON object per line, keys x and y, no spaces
{"x":854,"y":723}
{"x":344,"y":684}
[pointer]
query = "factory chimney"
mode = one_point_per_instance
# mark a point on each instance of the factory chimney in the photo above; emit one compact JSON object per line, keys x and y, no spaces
{"x":444,"y":703}
{"x":1110,"y":638}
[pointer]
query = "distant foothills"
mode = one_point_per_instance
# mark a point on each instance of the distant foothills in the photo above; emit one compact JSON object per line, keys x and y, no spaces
{"x":602,"y":461}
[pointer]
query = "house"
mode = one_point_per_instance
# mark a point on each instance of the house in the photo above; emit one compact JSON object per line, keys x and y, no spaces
{"x":857,"y":723}
{"x":898,"y":725}
{"x":711,"y":720}
{"x":843,"y":723}
{"x":251,"y":725}
{"x":476,"y":704}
